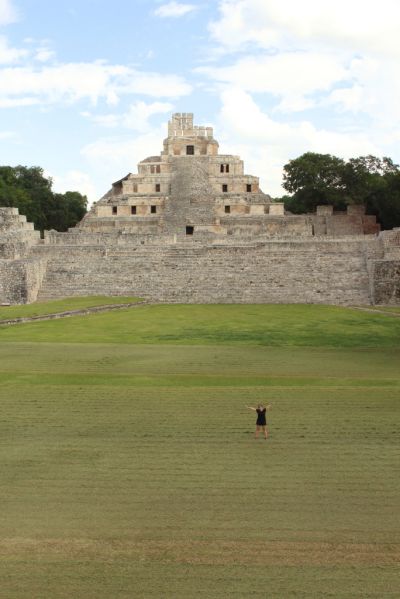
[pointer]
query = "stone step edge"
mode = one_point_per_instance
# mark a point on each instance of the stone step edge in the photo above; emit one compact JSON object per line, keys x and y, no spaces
{"x":376,"y":311}
{"x":69,"y":313}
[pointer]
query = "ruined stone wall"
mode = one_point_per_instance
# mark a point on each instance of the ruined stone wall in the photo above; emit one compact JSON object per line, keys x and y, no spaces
{"x":386,"y":277}
{"x":318,"y":271}
{"x":385,"y":273}
{"x":336,"y":224}
{"x":20,"y":275}
{"x":284,"y":263}
{"x":21,"y":280}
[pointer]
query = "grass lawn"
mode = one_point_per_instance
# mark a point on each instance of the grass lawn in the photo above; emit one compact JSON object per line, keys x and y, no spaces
{"x":129,"y":467}
{"x":63,"y":305}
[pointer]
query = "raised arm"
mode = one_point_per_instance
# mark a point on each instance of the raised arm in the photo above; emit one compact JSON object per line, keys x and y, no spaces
{"x":250,"y":408}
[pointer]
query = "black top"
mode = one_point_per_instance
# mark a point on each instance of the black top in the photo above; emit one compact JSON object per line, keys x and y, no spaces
{"x":261,"y":419}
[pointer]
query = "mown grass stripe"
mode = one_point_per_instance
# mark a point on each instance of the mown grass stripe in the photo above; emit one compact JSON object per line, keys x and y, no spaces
{"x":188,"y":380}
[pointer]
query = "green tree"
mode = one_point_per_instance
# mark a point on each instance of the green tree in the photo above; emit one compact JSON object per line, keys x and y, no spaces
{"x":375,"y":182}
{"x":384,"y":200}
{"x":27,"y":189}
{"x":315,"y":179}
{"x":68,"y":209}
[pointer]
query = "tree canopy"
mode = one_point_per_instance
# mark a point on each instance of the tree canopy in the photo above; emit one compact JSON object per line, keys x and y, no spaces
{"x":315,"y":179}
{"x":27,"y":189}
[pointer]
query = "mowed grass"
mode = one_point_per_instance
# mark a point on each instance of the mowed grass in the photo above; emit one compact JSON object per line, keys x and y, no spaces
{"x":63,"y":305}
{"x":268,"y":325}
{"x":129,"y":467}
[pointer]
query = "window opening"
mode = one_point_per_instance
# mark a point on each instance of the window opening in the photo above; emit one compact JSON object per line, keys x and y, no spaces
{"x":190,"y":150}
{"x":158,"y":187}
{"x":114,"y":210}
{"x":158,"y":168}
{"x":133,"y":209}
{"x":153,"y":209}
{"x":224,"y":187}
{"x":248,"y":187}
{"x":189,"y":230}
{"x":227,"y":209}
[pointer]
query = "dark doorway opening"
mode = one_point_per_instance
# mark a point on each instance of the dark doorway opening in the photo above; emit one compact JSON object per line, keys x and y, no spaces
{"x":189,"y":230}
{"x":190,"y":150}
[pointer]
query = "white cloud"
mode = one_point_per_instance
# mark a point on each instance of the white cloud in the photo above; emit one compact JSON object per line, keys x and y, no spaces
{"x":15,"y":102}
{"x":137,"y":117}
{"x":75,"y":180}
{"x":90,"y":81}
{"x":339,"y":56}
{"x":158,"y":85}
{"x":266,"y":145}
{"x":8,"y":135}
{"x":353,"y":24}
{"x":291,"y":75}
{"x":139,"y":113}
{"x":104,"y":120}
{"x":33,"y":50}
{"x":174,"y":9}
{"x":8,"y":13}
{"x":375,"y":91}
{"x":115,"y":156}
{"x":44,"y":54}
{"x":10,"y":55}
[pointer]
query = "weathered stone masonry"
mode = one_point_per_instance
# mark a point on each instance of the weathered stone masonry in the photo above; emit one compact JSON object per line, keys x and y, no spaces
{"x":21,"y":273}
{"x":192,"y":227}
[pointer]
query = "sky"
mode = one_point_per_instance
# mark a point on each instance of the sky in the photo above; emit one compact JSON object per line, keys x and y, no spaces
{"x":87,"y":86}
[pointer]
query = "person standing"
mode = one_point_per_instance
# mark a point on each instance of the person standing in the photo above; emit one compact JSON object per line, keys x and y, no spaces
{"x":261,"y":423}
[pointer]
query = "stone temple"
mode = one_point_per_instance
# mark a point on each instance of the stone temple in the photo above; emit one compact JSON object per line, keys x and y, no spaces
{"x":191,"y":226}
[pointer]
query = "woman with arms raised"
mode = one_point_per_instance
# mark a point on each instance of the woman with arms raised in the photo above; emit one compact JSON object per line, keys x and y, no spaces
{"x":261,"y":423}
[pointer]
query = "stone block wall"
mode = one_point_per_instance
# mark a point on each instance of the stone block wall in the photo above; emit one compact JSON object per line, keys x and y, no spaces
{"x":21,"y":280}
{"x":271,"y":272}
{"x":16,"y":234}
{"x":386,"y":282}
{"x":338,"y":224}
{"x":386,"y":271}
{"x":285,"y":263}
{"x":20,"y":275}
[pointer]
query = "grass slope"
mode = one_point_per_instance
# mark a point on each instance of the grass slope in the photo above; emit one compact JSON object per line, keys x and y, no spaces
{"x":129,"y":467}
{"x":269,"y":325}
{"x":63,"y":305}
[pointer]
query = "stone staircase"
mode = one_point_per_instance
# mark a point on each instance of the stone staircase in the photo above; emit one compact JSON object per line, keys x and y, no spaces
{"x":275,"y":272}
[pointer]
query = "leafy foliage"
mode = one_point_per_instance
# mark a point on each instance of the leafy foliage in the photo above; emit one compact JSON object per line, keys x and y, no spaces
{"x":27,"y":189}
{"x":315,"y":179}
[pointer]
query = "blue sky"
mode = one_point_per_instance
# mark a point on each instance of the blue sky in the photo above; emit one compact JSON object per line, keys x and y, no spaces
{"x":87,"y":86}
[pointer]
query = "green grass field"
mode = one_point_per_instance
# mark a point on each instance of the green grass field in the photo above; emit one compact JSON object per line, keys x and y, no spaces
{"x":129,"y":467}
{"x":63,"y":305}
